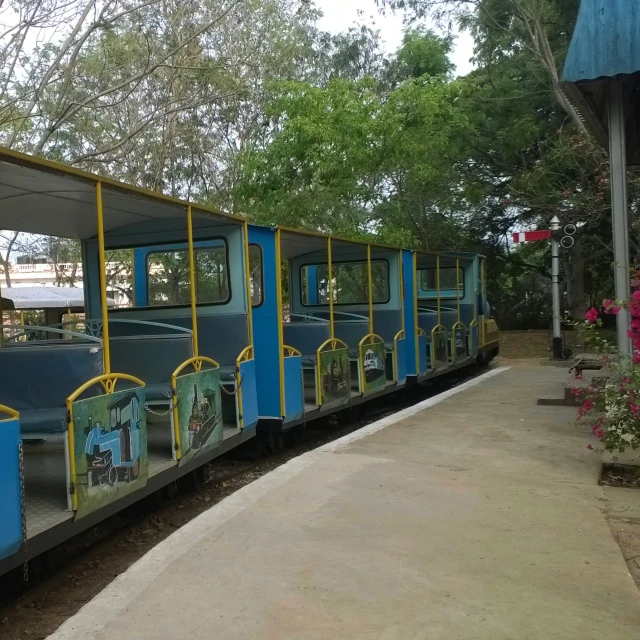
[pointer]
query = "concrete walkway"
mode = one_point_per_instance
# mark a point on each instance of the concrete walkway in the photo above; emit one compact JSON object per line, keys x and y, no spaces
{"x":476,"y":516}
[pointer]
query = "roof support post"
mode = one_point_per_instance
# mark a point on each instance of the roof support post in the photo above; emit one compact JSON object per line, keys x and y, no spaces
{"x":619,"y":209}
{"x":103,"y":280}
{"x":192,"y":283}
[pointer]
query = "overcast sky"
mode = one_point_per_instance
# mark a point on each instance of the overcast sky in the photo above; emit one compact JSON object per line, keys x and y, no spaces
{"x":339,"y":15}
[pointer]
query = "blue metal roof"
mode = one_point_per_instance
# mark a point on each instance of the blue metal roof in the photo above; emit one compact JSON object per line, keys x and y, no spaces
{"x":605,"y":42}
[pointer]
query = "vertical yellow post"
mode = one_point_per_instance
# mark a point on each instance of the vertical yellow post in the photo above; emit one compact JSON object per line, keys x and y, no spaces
{"x":330,"y":287}
{"x":475,"y":291}
{"x":484,"y":295}
{"x":103,"y":280}
{"x":370,"y":281}
{"x":458,"y":286}
{"x":248,"y":281}
{"x":438,"y":285}
{"x":415,"y":309}
{"x":280,"y":320}
{"x":192,"y":282}
{"x":2,"y":317}
{"x":401,"y":281}
{"x":133,"y":277}
{"x":23,"y":338}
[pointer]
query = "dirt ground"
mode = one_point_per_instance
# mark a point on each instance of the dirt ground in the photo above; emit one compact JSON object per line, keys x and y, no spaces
{"x":517,"y":345}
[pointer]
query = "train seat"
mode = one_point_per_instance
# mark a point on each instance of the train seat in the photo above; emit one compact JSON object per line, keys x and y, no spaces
{"x":42,"y":377}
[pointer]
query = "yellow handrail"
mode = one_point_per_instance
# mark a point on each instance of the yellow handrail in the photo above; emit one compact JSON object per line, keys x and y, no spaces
{"x":371,"y":338}
{"x":108,"y":382}
{"x":245,"y":355}
{"x":334,"y":342}
{"x":421,"y":331}
{"x":398,"y":336}
{"x":290,"y":351}
{"x":12,"y":413}
{"x":458,"y":325}
{"x":197,"y":362}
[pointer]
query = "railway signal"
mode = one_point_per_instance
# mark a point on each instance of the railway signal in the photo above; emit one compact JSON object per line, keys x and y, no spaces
{"x":558,"y":240}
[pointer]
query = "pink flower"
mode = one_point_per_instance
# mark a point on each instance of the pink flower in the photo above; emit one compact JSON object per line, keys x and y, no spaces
{"x":589,"y":447}
{"x":611,"y":307}
{"x":578,"y":375}
{"x":636,"y":358}
{"x":575,"y":392}
{"x":587,"y":405}
{"x":592,"y":315}
{"x":634,"y":408}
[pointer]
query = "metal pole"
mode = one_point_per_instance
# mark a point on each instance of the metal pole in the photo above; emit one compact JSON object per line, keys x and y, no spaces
{"x":192,"y":282}
{"x":619,"y":209}
{"x":555,"y":289}
{"x":106,"y":345}
{"x":370,"y":284}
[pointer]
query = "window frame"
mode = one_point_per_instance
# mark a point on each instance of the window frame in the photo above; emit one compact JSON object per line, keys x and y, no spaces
{"x":385,"y":261}
{"x":255,"y":244}
{"x":186,"y":250}
{"x":421,"y":289}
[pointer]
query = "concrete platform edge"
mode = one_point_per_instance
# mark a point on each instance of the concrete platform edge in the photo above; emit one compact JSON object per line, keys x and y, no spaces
{"x":97,"y":613}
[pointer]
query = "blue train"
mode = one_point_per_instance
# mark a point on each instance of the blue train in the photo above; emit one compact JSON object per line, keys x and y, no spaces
{"x":235,"y":332}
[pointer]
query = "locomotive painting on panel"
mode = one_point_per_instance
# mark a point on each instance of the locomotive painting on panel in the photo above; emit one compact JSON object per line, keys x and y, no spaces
{"x":110,"y":438}
{"x":334,"y":372}
{"x":199,"y":412}
{"x":372,"y":357}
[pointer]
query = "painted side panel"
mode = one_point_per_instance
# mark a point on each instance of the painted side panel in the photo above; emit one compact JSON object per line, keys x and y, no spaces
{"x":294,"y":403}
{"x":249,"y":394}
{"x":422,"y":351}
{"x":265,"y":326}
{"x":110,"y":448}
{"x":474,"y":341}
{"x":10,"y":501}
{"x":410,"y":328}
{"x":401,"y":360}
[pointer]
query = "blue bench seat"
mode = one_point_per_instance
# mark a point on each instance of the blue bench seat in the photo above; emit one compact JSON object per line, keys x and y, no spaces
{"x":42,"y":377}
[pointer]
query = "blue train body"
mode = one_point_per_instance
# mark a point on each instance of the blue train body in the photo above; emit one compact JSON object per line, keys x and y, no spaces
{"x":279,"y":327}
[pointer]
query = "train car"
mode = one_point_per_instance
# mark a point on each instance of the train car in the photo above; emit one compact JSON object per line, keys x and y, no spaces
{"x":235,"y":332}
{"x":104,"y":411}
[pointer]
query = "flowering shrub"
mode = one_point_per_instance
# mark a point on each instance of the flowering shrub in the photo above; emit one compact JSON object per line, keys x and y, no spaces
{"x":612,"y":408}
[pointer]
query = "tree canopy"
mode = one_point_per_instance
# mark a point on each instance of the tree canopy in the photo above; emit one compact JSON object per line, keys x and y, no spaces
{"x":249,"y":106}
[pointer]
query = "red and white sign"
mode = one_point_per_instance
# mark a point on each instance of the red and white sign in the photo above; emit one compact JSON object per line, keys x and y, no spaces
{"x":531,"y":236}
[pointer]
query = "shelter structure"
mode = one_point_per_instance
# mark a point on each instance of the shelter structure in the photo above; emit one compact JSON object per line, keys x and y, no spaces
{"x":601,"y":79}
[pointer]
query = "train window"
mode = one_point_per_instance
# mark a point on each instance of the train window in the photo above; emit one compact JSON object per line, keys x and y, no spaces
{"x":168,"y":277}
{"x":256,"y":275}
{"x":448,"y":281}
{"x":350,"y":283}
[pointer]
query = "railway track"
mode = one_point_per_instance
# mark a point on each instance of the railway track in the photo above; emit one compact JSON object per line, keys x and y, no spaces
{"x":67,"y":577}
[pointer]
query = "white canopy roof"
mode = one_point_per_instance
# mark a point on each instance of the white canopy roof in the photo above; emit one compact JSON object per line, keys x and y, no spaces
{"x":21,"y":298}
